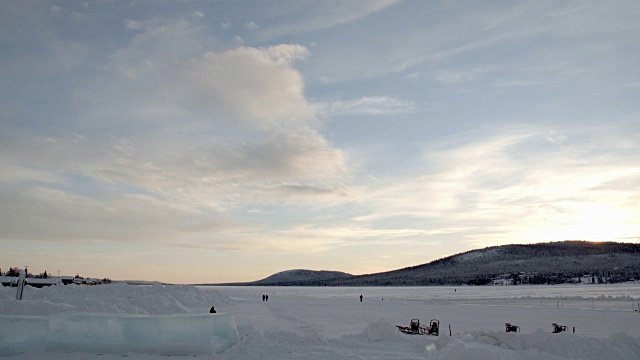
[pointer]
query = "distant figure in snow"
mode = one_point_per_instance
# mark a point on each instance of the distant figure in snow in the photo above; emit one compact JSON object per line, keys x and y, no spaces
{"x":266,"y":297}
{"x":263,"y":297}
{"x":360,"y":298}
{"x":213,"y":310}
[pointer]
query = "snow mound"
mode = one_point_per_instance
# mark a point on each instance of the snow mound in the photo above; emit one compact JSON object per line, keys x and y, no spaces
{"x":115,"y":318}
{"x":381,"y":340}
{"x":381,"y":329}
{"x":537,"y":345}
{"x":117,"y":298}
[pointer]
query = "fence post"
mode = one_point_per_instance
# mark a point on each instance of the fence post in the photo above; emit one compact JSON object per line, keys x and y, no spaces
{"x":21,"y":281}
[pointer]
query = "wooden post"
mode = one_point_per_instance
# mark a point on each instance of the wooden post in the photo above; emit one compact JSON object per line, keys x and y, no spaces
{"x":21,"y":281}
{"x":449,"y":329}
{"x":574,"y":329}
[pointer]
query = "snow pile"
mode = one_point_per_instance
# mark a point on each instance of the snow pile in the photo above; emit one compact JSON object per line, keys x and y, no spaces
{"x":381,"y":330}
{"x":117,"y":298}
{"x":116,"y":319}
{"x":380,"y":340}
{"x":537,"y":345}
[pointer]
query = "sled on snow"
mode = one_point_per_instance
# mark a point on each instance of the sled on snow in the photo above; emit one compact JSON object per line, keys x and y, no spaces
{"x":558,"y":328}
{"x":512,"y":328}
{"x":415,"y":328}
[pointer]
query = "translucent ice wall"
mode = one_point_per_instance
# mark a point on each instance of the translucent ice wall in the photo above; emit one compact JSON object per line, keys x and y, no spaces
{"x":192,"y":334}
{"x":19,"y":333}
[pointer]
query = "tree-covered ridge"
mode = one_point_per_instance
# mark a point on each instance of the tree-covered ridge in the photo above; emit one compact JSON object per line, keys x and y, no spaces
{"x":544,"y":263}
{"x":285,"y":277}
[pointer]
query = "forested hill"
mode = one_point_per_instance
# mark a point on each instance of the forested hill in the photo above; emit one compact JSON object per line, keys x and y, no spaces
{"x":285,"y":277}
{"x":544,"y":263}
{"x":556,"y":262}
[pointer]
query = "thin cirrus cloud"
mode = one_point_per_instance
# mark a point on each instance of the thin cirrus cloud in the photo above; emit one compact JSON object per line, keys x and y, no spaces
{"x":449,"y":77}
{"x":486,"y":30}
{"x":326,"y":15}
{"x":370,"y":105}
{"x":498,"y":189}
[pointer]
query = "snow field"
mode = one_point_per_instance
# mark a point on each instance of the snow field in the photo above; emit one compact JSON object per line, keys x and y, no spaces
{"x":331,"y":323}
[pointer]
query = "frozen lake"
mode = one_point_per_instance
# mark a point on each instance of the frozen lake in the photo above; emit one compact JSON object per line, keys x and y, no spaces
{"x":466,"y":308}
{"x":435,"y":292}
{"x":330,"y":323}
{"x":595,"y":297}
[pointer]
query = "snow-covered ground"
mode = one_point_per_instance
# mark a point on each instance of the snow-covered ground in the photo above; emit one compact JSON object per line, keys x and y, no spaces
{"x":332,"y":323}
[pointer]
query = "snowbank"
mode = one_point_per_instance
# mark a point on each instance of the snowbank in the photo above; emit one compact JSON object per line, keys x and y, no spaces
{"x":117,"y":298}
{"x":116,"y":319}
{"x":537,"y":345}
{"x":381,"y":340}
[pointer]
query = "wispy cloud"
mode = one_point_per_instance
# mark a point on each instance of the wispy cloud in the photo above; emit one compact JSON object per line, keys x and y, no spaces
{"x":251,"y":25}
{"x":498,"y":190}
{"x":370,"y":105}
{"x":327,"y":15}
{"x":450,"y":77}
{"x":133,"y":24}
{"x":510,"y":83}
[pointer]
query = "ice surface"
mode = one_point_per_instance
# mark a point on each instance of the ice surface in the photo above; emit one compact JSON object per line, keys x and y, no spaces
{"x":180,"y":334}
{"x":18,"y":333}
{"x":190,"y":334}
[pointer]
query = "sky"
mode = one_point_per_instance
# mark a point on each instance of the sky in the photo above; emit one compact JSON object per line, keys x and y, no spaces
{"x":221,"y":141}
